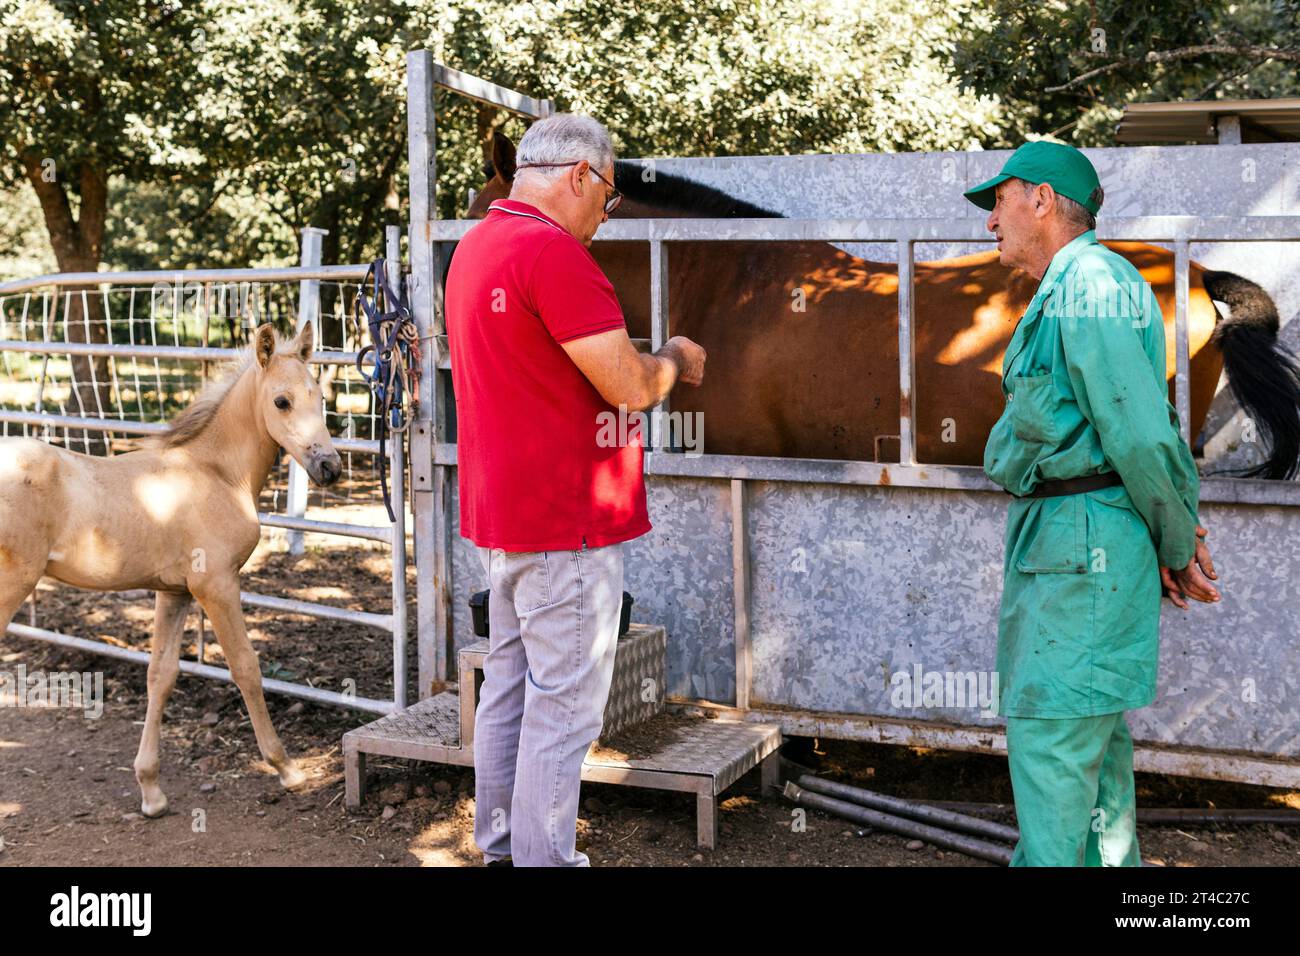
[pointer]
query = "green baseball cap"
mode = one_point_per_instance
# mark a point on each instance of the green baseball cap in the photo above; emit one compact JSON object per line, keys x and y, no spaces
{"x":1062,"y":167}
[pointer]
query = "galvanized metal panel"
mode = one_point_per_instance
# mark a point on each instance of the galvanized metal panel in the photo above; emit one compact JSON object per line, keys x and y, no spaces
{"x":1211,"y":181}
{"x":680,"y":575}
{"x":855,"y":584}
{"x":852,"y":585}
{"x":1215,"y":659}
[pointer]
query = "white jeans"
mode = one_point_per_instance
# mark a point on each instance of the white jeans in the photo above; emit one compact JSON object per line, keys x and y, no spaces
{"x":553,"y":623}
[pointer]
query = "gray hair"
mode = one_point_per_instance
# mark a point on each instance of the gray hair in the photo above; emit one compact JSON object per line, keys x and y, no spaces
{"x":562,"y":138}
{"x":1073,"y":212}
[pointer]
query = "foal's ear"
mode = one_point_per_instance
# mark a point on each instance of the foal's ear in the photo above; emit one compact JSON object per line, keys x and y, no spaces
{"x":264,"y":345}
{"x":306,"y":341}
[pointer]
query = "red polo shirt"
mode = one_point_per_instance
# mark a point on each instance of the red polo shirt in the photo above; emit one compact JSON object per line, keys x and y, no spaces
{"x":532,"y":475}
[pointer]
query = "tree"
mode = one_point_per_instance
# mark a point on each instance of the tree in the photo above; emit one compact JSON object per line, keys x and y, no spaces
{"x":723,"y":78}
{"x":217,"y":130}
{"x":1066,"y":69}
{"x":87,"y":91}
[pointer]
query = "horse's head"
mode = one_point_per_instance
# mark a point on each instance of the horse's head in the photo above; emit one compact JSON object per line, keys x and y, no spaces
{"x":289,"y":398}
{"x":501,"y":174}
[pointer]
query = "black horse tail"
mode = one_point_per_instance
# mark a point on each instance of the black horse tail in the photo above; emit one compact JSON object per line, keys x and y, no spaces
{"x":1262,"y":375}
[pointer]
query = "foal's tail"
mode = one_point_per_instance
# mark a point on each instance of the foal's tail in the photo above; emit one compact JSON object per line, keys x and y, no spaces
{"x":1262,"y":375}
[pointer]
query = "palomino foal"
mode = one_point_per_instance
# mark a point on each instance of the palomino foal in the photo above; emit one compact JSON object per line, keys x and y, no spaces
{"x":178,"y":516}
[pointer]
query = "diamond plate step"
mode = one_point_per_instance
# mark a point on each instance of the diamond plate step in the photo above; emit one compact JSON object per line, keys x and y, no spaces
{"x":638,"y":674}
{"x":666,"y":752}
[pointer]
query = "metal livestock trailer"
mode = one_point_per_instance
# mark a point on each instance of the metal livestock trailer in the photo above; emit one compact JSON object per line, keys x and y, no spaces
{"x":795,"y":592}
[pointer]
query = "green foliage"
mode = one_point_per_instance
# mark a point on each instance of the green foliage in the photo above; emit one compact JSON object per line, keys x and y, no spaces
{"x":1020,"y":51}
{"x":112,"y":84}
{"x":24,"y":250}
{"x":224,"y":127}
{"x":721,"y":78}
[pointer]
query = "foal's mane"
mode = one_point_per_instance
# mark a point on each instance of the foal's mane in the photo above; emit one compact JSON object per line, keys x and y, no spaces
{"x":191,"y":422}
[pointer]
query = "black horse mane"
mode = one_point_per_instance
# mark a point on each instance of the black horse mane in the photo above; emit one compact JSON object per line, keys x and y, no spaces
{"x":670,"y":191}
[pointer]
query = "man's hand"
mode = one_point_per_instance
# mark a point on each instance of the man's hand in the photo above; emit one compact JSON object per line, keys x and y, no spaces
{"x":1194,"y":580}
{"x":687,"y":356}
{"x":625,"y":377}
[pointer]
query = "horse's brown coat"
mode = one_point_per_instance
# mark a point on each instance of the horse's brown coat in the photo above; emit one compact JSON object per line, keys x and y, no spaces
{"x":823,"y":382}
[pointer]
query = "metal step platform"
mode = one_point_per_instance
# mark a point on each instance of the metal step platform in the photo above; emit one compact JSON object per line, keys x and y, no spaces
{"x":665,"y":751}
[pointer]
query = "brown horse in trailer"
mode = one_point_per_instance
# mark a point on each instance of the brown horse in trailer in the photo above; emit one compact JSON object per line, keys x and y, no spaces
{"x":822,"y":382}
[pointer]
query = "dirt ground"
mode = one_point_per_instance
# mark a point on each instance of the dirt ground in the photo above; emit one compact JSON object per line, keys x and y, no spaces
{"x":68,"y":794}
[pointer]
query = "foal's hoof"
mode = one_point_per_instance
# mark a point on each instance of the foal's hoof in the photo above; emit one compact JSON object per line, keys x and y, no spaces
{"x":155,"y":808}
{"x":291,"y":778}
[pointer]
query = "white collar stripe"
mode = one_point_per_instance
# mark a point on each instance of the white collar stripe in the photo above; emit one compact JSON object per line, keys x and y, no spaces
{"x":516,"y":212}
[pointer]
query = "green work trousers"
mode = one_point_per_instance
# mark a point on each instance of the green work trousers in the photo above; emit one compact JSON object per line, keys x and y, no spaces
{"x":1073,"y":783}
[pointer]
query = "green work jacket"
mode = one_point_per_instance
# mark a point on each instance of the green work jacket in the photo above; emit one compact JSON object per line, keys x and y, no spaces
{"x":1085,"y":389}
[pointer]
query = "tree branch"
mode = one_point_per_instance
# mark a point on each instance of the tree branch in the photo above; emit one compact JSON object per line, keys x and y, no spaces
{"x":1250,"y":51}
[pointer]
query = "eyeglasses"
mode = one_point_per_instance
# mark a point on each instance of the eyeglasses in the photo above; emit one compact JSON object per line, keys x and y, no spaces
{"x":615,"y":197}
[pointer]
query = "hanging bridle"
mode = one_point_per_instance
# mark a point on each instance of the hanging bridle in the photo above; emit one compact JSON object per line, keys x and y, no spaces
{"x":394,"y":353}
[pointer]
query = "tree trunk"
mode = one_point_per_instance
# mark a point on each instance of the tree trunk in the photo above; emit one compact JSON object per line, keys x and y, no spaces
{"x":78,"y":246}
{"x":332,"y":327}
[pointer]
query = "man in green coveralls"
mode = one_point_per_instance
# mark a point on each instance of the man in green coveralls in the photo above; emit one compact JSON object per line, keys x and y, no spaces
{"x":1103,"y":514}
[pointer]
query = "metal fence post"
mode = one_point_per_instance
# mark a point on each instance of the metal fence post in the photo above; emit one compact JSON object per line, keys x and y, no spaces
{"x":742,"y":592}
{"x":308,"y":311}
{"x":397,"y":484}
{"x":430,"y":498}
{"x":906,"y":352}
{"x":1182,"y":349}
{"x":660,"y":431}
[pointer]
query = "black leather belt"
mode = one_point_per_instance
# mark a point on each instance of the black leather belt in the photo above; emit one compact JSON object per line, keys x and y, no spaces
{"x":1073,"y":486}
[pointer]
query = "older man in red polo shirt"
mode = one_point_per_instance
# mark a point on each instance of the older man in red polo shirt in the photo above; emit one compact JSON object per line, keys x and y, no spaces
{"x":539,"y":354}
